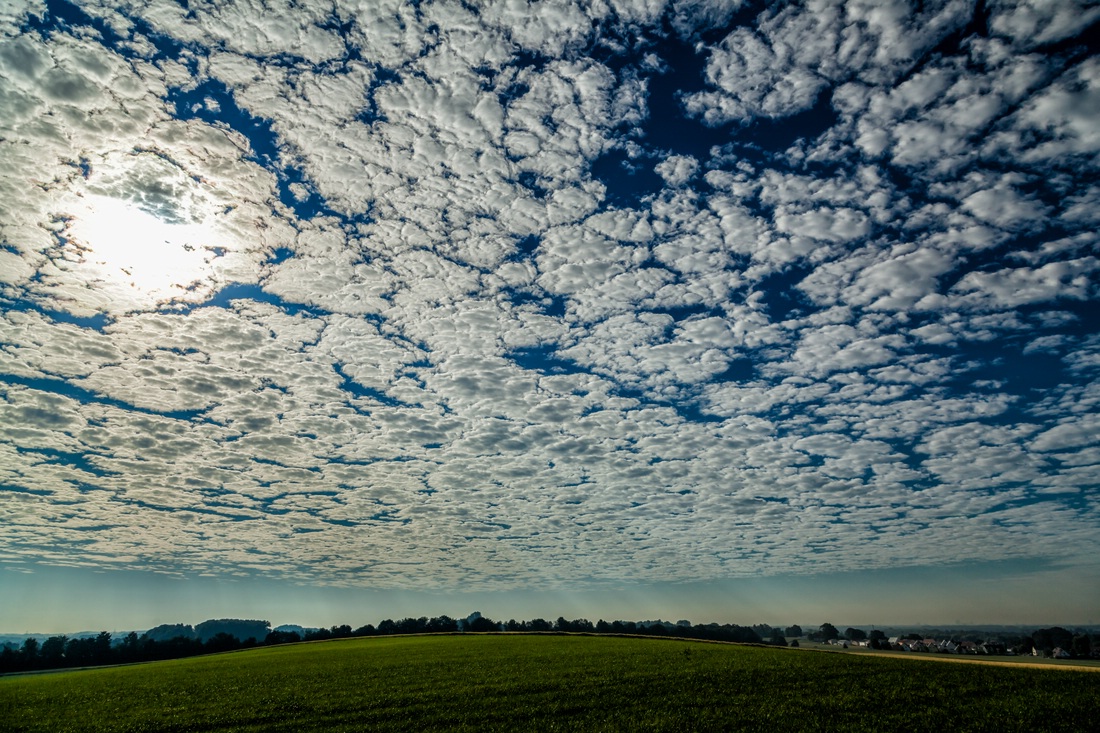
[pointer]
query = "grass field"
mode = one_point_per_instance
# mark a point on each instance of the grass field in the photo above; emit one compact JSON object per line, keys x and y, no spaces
{"x":547,"y":683}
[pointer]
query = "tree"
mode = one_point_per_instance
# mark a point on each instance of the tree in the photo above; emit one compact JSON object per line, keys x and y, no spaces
{"x":223,"y":641}
{"x":764,"y":631}
{"x":53,"y":651}
{"x":412,"y":625}
{"x":794,"y":630}
{"x":80,"y":652}
{"x":876,"y":635}
{"x":482,"y":624}
{"x":855,"y":634}
{"x":442,"y":625}
{"x":777,"y":638}
{"x":1047,"y":639}
{"x":128,"y":649}
{"x":10,"y":660}
{"x":1082,"y":646}
{"x":282,"y":637}
{"x":167,"y":632}
{"x":102,"y":653}
{"x":243,"y":629}
{"x":30,"y":652}
{"x":829,"y":632}
{"x":540,"y":624}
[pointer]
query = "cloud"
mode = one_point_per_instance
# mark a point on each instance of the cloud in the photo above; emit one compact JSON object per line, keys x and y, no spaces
{"x":1011,"y":288}
{"x":794,"y":54}
{"x":677,"y":169}
{"x":429,"y":341}
{"x":1032,"y":23}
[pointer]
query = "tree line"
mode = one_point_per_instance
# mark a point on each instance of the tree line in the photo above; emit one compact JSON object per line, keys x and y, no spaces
{"x":174,"y":641}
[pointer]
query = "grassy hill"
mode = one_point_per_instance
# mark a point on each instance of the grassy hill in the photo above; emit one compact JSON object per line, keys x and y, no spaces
{"x":546,"y":683}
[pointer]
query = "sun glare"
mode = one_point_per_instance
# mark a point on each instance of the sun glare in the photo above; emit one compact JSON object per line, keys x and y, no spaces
{"x":123,"y":244}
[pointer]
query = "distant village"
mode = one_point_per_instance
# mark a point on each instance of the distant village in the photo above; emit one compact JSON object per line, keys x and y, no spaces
{"x":1050,"y":643}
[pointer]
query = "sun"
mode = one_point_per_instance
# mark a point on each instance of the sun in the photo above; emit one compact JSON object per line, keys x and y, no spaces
{"x":143,"y":234}
{"x":127,"y":245}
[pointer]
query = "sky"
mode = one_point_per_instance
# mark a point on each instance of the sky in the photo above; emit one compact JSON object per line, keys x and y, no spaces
{"x":328,"y":312}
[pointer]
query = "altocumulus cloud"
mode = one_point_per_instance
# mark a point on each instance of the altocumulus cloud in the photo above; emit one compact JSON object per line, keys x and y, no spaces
{"x":495,"y":295}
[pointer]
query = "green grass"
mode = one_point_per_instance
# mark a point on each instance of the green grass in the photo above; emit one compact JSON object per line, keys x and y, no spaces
{"x":546,"y":683}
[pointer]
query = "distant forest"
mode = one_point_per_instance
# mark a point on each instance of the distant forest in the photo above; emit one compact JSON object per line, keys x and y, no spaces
{"x":174,"y":641}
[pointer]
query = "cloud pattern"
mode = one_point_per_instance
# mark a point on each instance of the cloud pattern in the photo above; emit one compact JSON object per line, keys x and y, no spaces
{"x":465,"y":311}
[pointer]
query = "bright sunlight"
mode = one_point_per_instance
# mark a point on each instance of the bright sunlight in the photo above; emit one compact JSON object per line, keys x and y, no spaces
{"x":123,"y":244}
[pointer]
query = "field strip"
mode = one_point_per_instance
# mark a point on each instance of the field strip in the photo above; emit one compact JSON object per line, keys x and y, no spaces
{"x":968,"y":660}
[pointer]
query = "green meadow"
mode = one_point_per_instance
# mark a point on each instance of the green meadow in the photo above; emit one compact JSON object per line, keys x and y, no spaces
{"x":547,"y":683}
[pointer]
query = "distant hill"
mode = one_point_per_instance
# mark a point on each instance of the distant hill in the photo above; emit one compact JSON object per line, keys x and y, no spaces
{"x":241,"y":629}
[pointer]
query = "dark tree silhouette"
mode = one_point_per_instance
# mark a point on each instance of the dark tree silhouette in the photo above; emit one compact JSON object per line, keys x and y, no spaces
{"x":10,"y":660}
{"x":167,"y":632}
{"x":222,"y":642}
{"x":102,"y":652}
{"x":243,"y":629}
{"x":482,"y":624}
{"x":129,"y":649}
{"x":282,"y":637}
{"x":30,"y":653}
{"x":442,"y":625}
{"x":412,"y":625}
{"x":52,"y":653}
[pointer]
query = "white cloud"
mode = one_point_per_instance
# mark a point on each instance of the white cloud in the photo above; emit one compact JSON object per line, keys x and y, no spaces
{"x":1009,"y":288}
{"x":1033,"y":22}
{"x":677,"y":169}
{"x":1063,"y":115}
{"x":796,"y":53}
{"x":840,"y":225}
{"x":1003,"y":206}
